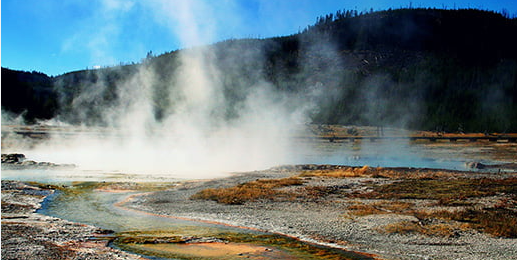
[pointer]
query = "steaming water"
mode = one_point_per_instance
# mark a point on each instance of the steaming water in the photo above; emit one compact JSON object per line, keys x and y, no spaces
{"x":96,"y":208}
{"x":385,"y":154}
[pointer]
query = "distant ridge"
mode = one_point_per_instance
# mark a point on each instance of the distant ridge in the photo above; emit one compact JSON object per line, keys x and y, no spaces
{"x":429,"y":69}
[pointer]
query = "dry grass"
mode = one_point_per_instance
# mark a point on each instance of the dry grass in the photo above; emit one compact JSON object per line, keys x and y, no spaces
{"x":498,"y":222}
{"x":378,"y":172}
{"x":397,"y":206}
{"x":445,"y":191}
{"x":411,"y":173}
{"x":380,"y":207}
{"x":250,"y":191}
{"x":365,"y":210}
{"x":435,"y":187}
{"x":317,"y":193}
{"x":344,"y":172}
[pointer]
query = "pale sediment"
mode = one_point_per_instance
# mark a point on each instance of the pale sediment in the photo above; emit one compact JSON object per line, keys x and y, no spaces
{"x":325,"y":220}
{"x":322,"y":219}
{"x":30,"y":235}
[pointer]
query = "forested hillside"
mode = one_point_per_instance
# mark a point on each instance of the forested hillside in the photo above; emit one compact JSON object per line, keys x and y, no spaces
{"x":426,"y":69}
{"x":28,"y":93}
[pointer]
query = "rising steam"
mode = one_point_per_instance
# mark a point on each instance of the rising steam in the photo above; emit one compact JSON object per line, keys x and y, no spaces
{"x":194,"y":135}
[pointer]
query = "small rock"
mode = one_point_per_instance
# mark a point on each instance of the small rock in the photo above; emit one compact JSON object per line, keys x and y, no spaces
{"x":13,"y":158}
{"x":475,"y":165}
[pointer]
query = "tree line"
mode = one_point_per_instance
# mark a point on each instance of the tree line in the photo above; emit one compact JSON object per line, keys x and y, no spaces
{"x":429,"y":69}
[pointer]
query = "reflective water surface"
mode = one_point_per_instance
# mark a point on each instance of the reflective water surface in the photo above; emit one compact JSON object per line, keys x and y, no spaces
{"x":441,"y":155}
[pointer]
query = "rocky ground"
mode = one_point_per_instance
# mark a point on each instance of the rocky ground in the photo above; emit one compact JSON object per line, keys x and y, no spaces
{"x":18,"y":161}
{"x":330,"y":209}
{"x":328,"y":218}
{"x":29,"y":235}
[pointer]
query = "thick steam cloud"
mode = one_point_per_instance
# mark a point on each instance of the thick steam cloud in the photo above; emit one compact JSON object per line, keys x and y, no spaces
{"x":186,"y":123}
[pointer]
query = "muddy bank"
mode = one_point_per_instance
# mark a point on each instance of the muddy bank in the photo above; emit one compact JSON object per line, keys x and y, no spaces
{"x":327,"y":210}
{"x":29,"y":235}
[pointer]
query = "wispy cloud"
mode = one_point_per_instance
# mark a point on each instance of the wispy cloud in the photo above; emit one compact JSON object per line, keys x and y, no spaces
{"x":99,"y":33}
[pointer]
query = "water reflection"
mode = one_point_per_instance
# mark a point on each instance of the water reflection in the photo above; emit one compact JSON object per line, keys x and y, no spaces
{"x":386,"y":154}
{"x":401,"y":153}
{"x":97,"y":208}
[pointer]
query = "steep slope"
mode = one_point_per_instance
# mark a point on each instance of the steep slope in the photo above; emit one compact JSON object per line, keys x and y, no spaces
{"x":419,"y":68}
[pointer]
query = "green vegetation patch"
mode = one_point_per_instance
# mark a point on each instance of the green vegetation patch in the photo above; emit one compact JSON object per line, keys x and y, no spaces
{"x":168,"y":245}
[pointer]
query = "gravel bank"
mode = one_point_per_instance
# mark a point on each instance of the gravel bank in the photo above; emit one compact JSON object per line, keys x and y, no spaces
{"x":324,"y":220}
{"x":29,"y":235}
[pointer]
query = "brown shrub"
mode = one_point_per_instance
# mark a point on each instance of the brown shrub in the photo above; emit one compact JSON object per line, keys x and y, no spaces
{"x":398,"y":206}
{"x":345,"y":172}
{"x":365,"y":209}
{"x":250,"y":191}
{"x":411,"y":227}
{"x":448,"y":190}
{"x":498,"y":222}
{"x":380,"y":207}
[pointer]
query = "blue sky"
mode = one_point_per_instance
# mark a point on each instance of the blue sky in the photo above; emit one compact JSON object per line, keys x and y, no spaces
{"x":59,"y":36}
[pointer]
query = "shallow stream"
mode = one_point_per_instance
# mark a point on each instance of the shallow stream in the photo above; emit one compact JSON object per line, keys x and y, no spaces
{"x":185,"y":239}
